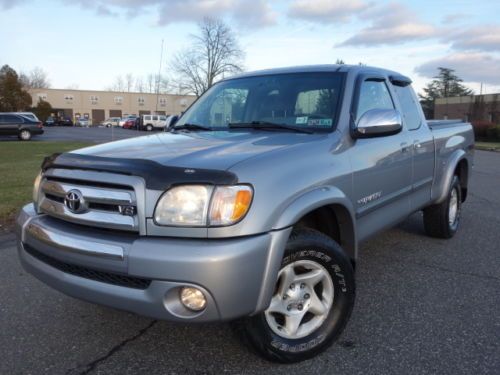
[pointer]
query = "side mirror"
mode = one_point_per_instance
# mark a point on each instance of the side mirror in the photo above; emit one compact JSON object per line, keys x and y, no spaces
{"x":378,"y":123}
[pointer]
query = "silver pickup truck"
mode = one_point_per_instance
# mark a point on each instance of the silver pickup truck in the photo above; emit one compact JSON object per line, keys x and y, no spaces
{"x":251,"y":209}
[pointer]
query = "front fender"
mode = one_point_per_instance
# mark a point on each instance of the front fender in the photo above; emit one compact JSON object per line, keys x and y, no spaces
{"x":320,"y":197}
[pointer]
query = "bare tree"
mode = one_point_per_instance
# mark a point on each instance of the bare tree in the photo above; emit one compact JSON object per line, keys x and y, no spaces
{"x":129,"y":82}
{"x":150,"y":83}
{"x":117,"y":85}
{"x":215,"y":52}
{"x":37,"y":78}
{"x":139,"y":84}
{"x":72,"y":86}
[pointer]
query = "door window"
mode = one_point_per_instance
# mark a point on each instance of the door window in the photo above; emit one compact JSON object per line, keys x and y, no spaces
{"x":373,"y":95}
{"x":155,"y":118}
{"x":9,"y":119}
{"x":409,"y":106}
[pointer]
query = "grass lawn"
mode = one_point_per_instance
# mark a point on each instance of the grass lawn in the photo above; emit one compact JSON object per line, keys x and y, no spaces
{"x":495,"y":146}
{"x":19,"y":164}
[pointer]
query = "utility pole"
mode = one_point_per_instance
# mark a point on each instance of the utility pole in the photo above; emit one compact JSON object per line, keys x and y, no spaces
{"x":159,"y":79}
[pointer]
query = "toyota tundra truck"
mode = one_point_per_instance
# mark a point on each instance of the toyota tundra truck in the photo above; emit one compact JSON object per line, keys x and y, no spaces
{"x":252,"y":207}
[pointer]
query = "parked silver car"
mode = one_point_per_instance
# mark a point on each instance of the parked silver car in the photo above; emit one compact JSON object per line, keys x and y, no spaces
{"x":111,"y":121}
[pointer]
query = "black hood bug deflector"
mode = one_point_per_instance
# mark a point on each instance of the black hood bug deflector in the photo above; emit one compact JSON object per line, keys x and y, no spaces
{"x":156,"y":175}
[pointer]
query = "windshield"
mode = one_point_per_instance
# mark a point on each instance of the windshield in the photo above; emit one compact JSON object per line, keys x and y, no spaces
{"x":305,"y":100}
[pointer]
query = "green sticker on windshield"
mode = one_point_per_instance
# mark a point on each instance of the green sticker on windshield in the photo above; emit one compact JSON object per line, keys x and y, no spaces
{"x":320,"y":122}
{"x":301,"y":120}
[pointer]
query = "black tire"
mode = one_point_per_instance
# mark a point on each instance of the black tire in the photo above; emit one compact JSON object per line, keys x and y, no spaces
{"x":437,"y":217}
{"x":306,"y":244}
{"x":24,"y":135}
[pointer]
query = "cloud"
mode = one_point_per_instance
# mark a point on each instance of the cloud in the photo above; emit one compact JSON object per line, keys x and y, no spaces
{"x":471,"y":67}
{"x":256,"y":14}
{"x":326,"y":11}
{"x":392,"y":23}
{"x":451,"y":18}
{"x":102,"y":10}
{"x":9,"y":4}
{"x":481,"y":38}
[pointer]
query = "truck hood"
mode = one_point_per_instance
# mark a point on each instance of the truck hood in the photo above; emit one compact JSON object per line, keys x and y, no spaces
{"x":208,"y":150}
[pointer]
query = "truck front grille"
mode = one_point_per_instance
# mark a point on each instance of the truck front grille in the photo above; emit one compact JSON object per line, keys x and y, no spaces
{"x":101,"y":205}
{"x":89,"y":273}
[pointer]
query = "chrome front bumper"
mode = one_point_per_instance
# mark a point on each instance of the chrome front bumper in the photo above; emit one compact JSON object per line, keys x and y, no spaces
{"x":237,"y":275}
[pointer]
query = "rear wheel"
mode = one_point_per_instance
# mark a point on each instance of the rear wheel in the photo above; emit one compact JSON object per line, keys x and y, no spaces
{"x":311,"y":304}
{"x":442,"y":220}
{"x":24,"y":135}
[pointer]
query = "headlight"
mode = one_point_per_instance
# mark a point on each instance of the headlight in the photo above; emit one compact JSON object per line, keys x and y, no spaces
{"x":36,"y":189}
{"x":184,"y":205}
{"x":203,"y":205}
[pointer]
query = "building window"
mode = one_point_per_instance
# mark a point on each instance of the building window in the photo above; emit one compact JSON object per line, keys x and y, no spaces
{"x":68,"y":97}
{"x":94,"y":99}
{"x":119,"y":100}
{"x":141,"y":100}
{"x":163,"y":102}
{"x":42,"y":96}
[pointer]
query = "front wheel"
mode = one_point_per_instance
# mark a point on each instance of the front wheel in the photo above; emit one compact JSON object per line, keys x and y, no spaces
{"x":149,"y":128}
{"x":311,"y":304}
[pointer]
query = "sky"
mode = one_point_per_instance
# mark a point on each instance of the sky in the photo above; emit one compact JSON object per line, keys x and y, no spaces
{"x":87,"y":43}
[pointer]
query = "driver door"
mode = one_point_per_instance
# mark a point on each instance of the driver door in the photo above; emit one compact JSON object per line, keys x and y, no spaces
{"x":381,"y":165}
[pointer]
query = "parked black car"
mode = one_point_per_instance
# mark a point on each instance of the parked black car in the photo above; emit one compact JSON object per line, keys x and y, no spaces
{"x":18,"y":125}
{"x":51,"y":121}
{"x":64,"y":121}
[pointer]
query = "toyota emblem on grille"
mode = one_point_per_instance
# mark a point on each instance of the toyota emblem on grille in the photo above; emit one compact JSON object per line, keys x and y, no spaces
{"x":75,"y":202}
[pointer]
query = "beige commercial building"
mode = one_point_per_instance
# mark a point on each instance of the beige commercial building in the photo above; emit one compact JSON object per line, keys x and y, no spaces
{"x":100,"y":105}
{"x":469,"y":108}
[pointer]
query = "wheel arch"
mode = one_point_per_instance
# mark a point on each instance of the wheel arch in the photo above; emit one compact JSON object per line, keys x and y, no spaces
{"x":455,"y":164}
{"x":327,"y":210}
{"x":462,"y":172}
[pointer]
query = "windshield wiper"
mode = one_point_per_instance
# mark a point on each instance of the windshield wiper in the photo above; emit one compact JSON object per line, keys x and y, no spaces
{"x":189,"y":126}
{"x":267,"y":125}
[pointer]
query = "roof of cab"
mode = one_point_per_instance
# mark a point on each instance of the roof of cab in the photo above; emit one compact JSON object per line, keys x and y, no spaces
{"x":322,"y":68}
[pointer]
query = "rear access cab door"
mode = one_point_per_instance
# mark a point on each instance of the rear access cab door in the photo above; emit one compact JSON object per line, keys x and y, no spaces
{"x":421,"y":141}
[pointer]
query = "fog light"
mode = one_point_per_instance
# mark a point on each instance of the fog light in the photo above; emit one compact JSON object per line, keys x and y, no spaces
{"x":193,"y":298}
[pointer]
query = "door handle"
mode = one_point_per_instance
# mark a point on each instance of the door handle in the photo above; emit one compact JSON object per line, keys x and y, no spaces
{"x":417,"y":144}
{"x":404,"y":147}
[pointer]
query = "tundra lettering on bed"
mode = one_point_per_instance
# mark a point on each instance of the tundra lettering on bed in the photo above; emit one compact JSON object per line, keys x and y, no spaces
{"x":251,"y":208}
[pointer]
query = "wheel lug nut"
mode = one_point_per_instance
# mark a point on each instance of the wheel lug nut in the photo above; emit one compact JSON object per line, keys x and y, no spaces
{"x":306,"y":296}
{"x":300,"y":307}
{"x":285,"y":296}
{"x":292,"y":286}
{"x":302,"y":286}
{"x":289,"y":307}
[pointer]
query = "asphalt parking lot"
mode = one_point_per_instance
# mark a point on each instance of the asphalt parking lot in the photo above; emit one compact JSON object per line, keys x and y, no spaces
{"x":73,"y":133}
{"x":424,"y":306}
